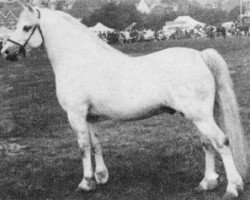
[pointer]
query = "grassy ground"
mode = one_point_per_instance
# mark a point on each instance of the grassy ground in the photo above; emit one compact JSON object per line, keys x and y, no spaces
{"x":158,"y":158}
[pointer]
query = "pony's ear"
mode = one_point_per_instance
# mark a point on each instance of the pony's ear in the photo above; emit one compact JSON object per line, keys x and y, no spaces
{"x":26,"y":6}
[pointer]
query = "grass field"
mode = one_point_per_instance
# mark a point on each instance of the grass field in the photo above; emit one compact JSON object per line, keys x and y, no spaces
{"x":158,"y":158}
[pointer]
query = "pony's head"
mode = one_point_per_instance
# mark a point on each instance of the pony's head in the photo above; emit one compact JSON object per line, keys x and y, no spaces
{"x":27,"y":32}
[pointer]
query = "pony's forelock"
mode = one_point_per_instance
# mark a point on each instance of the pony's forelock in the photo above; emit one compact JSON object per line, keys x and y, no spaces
{"x":27,"y":15}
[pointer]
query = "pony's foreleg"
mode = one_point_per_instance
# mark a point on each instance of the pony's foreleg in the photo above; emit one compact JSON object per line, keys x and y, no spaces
{"x":78,"y":122}
{"x":209,"y":181}
{"x":101,"y":171}
{"x":221,"y":144}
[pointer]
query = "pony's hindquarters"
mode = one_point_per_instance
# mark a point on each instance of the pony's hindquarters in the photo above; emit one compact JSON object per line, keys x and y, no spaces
{"x":226,"y":111}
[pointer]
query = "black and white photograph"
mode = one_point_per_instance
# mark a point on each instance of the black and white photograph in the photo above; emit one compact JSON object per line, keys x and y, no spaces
{"x":124,"y":99}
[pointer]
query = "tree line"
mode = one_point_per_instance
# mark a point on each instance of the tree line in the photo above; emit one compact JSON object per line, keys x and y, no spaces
{"x":119,"y":16}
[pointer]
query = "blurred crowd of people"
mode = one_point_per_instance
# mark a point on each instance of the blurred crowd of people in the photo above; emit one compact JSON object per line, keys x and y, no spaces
{"x":174,"y":33}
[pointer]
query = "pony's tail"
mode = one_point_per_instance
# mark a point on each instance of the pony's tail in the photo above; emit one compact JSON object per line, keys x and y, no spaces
{"x":226,"y":111}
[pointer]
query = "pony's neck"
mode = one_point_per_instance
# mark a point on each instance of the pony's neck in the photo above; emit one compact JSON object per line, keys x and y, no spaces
{"x":65,"y":38}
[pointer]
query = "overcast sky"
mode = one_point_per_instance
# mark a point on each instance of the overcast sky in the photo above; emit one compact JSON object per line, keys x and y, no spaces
{"x":202,"y":1}
{"x":206,"y":1}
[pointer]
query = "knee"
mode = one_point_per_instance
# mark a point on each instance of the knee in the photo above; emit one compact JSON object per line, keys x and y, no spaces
{"x":207,"y":145}
{"x":97,"y":148}
{"x":96,"y":145}
{"x":226,"y":142}
{"x":221,"y":142}
{"x":82,"y":152}
{"x":84,"y":148}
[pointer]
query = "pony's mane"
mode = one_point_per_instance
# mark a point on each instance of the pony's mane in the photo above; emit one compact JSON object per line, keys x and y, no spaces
{"x":70,"y":19}
{"x":25,"y":14}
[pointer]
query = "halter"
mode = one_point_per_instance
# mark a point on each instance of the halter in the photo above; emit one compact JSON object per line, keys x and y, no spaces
{"x":21,"y":49}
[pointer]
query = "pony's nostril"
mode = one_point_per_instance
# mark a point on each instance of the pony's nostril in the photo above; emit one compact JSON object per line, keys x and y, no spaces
{"x":6,"y":52}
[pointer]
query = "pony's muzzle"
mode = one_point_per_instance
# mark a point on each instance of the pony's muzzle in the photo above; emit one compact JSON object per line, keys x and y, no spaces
{"x":11,"y":54}
{"x":5,"y":53}
{"x":8,"y":56}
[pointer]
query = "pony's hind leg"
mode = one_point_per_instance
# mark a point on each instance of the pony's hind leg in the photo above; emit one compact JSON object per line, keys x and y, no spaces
{"x":220,"y":143}
{"x":78,"y":122}
{"x":101,"y":171}
{"x":209,"y":182}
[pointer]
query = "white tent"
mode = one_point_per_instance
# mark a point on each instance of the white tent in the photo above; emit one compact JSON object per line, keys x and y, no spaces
{"x":188,"y":21}
{"x":5,"y":32}
{"x":143,"y":7}
{"x":228,"y":25}
{"x":149,"y":34}
{"x":171,"y":25}
{"x":184,"y":22}
{"x":100,"y":28}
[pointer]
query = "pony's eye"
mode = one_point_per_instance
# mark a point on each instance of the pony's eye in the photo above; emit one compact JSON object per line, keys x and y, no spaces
{"x":27,"y":28}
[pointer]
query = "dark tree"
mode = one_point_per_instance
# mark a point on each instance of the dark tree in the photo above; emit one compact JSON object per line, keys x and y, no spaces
{"x":80,"y":10}
{"x":208,"y":16}
{"x":156,"y":22}
{"x":117,"y":16}
{"x":235,"y":13}
{"x":120,"y":15}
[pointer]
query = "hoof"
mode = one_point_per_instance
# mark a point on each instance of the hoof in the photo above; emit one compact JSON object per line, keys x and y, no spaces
{"x":229,"y":196}
{"x":240,"y":188}
{"x":212,"y":184}
{"x":87,"y":184}
{"x":101,"y":177}
{"x":199,"y":189}
{"x":233,"y":190}
{"x":207,"y":185}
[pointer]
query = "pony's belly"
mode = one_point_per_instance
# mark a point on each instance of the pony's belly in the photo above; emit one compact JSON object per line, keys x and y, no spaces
{"x":95,"y":115}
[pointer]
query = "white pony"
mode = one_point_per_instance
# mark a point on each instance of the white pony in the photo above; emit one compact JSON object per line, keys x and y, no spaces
{"x":93,"y":78}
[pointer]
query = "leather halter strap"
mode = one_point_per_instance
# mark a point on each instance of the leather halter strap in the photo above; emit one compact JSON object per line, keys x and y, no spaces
{"x":22,"y":46}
